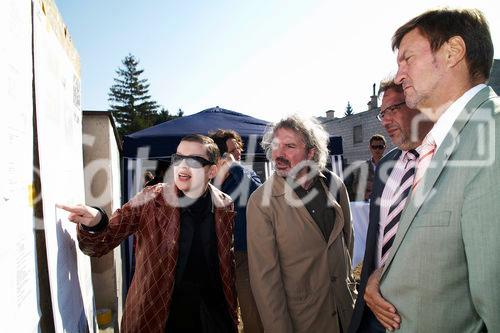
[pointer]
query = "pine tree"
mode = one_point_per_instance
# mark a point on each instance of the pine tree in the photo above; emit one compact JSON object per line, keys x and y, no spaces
{"x":348,"y":110}
{"x":164,"y":115}
{"x":130,"y":101}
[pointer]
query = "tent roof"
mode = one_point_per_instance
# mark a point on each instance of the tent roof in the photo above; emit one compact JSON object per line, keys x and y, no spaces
{"x":163,"y":138}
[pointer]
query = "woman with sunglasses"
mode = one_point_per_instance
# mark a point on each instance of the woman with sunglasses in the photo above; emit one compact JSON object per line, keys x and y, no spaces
{"x":184,"y":279}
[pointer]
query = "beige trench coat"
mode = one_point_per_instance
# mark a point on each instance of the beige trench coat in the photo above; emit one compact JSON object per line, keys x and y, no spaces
{"x":300,"y":282}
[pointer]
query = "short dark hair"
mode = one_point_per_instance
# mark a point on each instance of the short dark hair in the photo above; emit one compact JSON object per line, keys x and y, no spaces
{"x":222,"y":135}
{"x":439,"y":25}
{"x":388,"y":84}
{"x":212,"y":149}
{"x":377,"y":137}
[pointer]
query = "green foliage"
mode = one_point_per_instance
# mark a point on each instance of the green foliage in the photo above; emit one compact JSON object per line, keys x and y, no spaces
{"x":130,"y":101}
{"x":164,"y":115}
{"x":348,"y":110}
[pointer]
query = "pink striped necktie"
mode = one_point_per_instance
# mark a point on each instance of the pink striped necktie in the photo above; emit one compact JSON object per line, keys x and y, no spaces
{"x":424,"y":160}
{"x":398,"y":202}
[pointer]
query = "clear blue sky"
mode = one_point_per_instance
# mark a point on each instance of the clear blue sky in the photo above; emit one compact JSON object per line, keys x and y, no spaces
{"x":263,"y":58}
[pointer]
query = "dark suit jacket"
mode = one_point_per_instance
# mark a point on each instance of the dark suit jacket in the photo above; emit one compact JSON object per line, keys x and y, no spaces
{"x":359,"y":183}
{"x":383,"y":169}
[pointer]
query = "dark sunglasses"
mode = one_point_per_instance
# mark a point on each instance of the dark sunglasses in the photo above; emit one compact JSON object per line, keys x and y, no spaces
{"x":377,"y":147}
{"x":191,"y":161}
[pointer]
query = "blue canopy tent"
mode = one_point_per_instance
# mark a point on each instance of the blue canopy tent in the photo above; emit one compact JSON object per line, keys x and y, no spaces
{"x":160,"y":142}
{"x":163,"y":139}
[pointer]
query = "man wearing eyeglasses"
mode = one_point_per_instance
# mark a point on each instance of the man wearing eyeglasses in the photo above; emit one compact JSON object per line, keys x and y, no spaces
{"x":393,"y":178}
{"x":184,"y":279}
{"x":362,"y":177}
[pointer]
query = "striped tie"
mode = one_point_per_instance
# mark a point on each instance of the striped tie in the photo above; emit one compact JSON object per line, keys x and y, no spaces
{"x":398,"y":204}
{"x":423,"y":162}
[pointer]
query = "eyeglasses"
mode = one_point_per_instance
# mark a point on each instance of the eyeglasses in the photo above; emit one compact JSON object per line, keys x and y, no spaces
{"x":377,"y":147}
{"x":389,"y":110}
{"x":191,"y":161}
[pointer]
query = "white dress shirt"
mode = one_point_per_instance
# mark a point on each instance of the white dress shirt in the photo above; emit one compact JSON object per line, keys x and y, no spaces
{"x":445,"y":122}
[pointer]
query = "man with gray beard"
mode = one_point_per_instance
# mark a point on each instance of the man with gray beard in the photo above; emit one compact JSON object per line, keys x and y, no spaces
{"x":300,"y":235}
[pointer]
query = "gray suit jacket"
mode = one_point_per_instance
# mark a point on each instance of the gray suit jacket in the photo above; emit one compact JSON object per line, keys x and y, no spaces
{"x":442,"y":274}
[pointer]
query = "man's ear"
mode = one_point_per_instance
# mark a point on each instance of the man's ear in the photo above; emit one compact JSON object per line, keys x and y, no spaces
{"x":455,"y":50}
{"x":212,"y":171}
{"x":310,"y":153}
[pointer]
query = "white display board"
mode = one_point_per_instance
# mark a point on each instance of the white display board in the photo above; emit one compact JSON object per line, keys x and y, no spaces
{"x":18,"y":279}
{"x":59,"y":127}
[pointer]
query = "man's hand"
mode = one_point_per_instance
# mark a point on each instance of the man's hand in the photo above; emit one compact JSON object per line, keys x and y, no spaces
{"x":223,"y":167}
{"x":383,"y":310}
{"x":85,"y":215}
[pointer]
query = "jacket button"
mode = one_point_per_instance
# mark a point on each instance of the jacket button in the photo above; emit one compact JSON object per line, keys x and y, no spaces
{"x":333,"y":278}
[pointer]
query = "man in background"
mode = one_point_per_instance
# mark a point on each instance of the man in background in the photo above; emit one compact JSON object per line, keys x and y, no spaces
{"x":232,"y":142}
{"x":361,"y":179}
{"x":393,"y":178}
{"x":239,"y":183}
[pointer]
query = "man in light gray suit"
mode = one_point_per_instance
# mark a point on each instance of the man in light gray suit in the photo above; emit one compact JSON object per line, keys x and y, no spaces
{"x":442,"y":273}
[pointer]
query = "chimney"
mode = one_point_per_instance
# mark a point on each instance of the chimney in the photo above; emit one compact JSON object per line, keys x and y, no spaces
{"x":373,"y":103}
{"x":330,"y":114}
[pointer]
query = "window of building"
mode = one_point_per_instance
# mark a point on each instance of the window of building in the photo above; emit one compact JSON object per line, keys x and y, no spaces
{"x":357,"y":134}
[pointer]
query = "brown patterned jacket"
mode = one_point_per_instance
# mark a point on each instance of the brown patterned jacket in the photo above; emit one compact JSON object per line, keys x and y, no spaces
{"x":153,"y":216}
